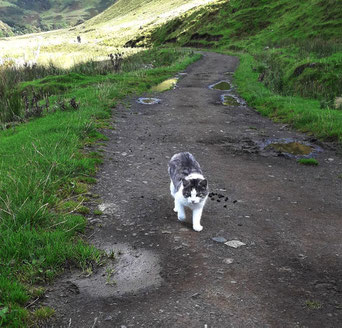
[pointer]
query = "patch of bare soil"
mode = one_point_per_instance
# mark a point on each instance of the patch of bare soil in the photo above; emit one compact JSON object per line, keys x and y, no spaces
{"x":287,"y":272}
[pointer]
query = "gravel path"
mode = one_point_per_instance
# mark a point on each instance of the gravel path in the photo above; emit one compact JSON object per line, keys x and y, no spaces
{"x":289,"y":216}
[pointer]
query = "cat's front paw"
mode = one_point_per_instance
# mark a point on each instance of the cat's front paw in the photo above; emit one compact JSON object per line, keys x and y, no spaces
{"x":181,"y":218}
{"x":175,"y":210}
{"x":198,"y":228}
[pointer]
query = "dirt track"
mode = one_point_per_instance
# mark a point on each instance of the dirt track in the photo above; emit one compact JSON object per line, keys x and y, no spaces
{"x":166,"y":275}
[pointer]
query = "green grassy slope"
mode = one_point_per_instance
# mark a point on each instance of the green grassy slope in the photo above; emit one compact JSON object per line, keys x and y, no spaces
{"x":127,"y":19}
{"x":299,"y":43}
{"x":27,"y":16}
{"x":257,"y":23}
{"x":5,"y":30}
{"x":295,"y":47}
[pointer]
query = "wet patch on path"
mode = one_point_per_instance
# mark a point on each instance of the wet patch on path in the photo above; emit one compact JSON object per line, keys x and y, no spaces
{"x":291,"y":148}
{"x":221,"y":85}
{"x":165,"y":85}
{"x":229,"y":99}
{"x":126,"y":271}
{"x":286,"y":147}
{"x":149,"y":101}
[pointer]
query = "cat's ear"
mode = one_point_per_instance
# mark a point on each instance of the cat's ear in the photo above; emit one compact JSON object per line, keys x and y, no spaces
{"x":185,"y":182}
{"x":203,"y":183}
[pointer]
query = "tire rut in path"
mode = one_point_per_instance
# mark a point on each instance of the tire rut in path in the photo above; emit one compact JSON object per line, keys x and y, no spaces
{"x":165,"y":274}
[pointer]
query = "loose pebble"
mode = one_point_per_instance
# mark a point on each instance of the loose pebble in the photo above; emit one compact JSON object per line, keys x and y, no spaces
{"x":219,"y":239}
{"x":235,"y":243}
{"x":228,"y":261}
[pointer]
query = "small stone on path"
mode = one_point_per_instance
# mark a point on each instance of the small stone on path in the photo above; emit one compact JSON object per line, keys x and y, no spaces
{"x":228,"y":261}
{"x":93,"y":221}
{"x":235,"y":243}
{"x":219,"y":239}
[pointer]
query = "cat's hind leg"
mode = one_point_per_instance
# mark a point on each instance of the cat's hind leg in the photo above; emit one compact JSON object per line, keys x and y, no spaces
{"x":175,"y":209}
{"x":172,"y":189}
{"x":179,"y":208}
{"x":173,"y":193}
{"x":181,"y":213}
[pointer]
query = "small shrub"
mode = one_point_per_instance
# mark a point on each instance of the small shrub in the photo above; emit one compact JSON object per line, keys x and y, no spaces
{"x":80,"y":188}
{"x":72,"y":206}
{"x":88,"y":180}
{"x":308,"y":161}
{"x":313,"y":305}
{"x":326,"y":104}
{"x":43,"y":313}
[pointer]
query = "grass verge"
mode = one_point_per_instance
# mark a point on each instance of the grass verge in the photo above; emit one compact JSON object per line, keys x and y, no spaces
{"x":302,"y":113}
{"x":43,"y":173}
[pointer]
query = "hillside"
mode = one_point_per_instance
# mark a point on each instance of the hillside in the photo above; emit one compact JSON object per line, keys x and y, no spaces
{"x":27,"y":16}
{"x":5,"y":30}
{"x":101,"y":35}
{"x":297,"y":45}
{"x":256,"y":23}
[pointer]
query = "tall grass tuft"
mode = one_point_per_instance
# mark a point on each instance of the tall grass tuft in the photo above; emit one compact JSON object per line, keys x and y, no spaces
{"x":14,"y":99}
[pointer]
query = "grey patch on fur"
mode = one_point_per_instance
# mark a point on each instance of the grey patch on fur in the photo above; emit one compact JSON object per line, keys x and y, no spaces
{"x":180,"y":166}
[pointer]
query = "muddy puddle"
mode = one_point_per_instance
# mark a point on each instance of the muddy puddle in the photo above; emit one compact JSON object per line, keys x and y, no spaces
{"x":148,"y":101}
{"x":232,"y":100}
{"x":294,"y":148}
{"x":221,"y":85}
{"x":165,"y":85}
{"x":272,"y":147}
{"x":131,"y":271}
{"x":233,"y":145}
{"x":291,"y":148}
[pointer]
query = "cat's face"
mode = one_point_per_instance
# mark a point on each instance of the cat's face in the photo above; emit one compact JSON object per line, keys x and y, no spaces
{"x":195,"y":190}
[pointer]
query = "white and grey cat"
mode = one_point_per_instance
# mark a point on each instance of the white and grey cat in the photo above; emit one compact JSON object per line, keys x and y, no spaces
{"x":188,"y":187}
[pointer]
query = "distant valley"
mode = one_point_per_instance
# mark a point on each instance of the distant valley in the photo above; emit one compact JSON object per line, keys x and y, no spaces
{"x":28,"y":16}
